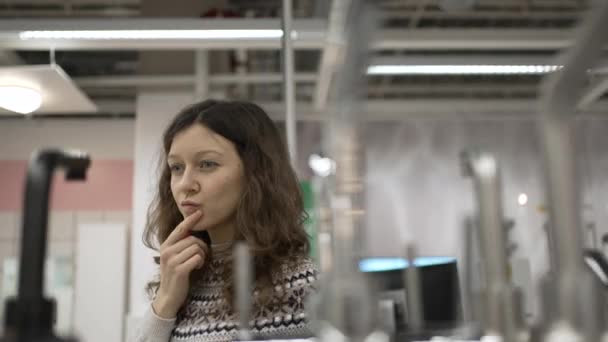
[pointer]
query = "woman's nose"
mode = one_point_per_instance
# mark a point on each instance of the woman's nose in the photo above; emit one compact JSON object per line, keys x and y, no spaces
{"x":190,"y":183}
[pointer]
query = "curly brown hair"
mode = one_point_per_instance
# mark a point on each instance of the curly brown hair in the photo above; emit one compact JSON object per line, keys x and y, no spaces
{"x":269,"y":215}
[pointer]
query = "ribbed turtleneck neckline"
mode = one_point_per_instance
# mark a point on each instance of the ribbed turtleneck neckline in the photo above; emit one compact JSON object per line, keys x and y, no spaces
{"x":220,"y":250}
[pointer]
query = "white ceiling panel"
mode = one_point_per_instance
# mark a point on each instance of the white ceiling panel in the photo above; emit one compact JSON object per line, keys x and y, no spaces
{"x":60,"y":95}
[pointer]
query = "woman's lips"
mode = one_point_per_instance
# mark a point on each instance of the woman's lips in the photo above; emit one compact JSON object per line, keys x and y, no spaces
{"x":189,"y":209}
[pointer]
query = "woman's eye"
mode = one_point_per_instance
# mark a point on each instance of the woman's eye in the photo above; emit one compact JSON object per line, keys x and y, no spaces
{"x":208,"y":164}
{"x":175,"y":168}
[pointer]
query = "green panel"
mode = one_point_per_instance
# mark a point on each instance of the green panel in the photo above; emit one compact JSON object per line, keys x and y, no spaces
{"x":310,"y":225}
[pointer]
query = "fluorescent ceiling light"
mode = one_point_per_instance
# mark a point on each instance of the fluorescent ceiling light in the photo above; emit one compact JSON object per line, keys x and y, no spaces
{"x":19,"y":99}
{"x":460,"y":69}
{"x":153,"y":34}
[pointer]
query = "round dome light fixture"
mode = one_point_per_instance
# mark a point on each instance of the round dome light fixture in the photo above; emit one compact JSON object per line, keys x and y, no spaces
{"x":20,"y":99}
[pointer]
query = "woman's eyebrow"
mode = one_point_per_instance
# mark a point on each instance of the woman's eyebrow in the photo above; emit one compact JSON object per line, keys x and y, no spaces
{"x":197,"y":154}
{"x":204,"y":152}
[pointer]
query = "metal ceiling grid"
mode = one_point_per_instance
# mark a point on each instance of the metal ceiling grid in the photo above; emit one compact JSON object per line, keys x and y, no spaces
{"x":405,"y":18}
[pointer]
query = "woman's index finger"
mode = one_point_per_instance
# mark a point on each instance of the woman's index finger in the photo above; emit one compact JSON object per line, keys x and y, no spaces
{"x":183,"y":229}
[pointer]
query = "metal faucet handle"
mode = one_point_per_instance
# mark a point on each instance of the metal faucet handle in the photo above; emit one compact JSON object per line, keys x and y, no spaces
{"x":75,"y":162}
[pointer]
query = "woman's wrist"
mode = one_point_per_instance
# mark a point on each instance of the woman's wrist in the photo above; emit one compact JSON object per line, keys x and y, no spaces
{"x":162,"y":309}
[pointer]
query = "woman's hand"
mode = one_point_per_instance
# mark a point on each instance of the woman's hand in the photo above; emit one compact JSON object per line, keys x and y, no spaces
{"x":180,"y":254}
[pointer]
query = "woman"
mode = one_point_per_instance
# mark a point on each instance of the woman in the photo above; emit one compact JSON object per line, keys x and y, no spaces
{"x":226,"y":178}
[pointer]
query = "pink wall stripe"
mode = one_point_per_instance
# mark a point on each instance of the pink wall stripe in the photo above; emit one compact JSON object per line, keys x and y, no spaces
{"x":109,"y":186}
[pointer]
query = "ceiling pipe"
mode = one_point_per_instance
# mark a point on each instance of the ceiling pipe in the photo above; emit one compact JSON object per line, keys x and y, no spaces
{"x":185,"y":80}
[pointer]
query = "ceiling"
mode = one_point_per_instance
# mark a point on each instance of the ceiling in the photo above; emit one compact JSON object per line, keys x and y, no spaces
{"x":442,"y":30}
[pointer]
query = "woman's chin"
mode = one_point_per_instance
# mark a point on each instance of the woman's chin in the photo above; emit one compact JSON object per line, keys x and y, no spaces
{"x":199,"y":228}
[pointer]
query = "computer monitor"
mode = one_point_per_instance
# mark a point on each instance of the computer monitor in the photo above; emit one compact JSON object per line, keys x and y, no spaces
{"x":439,"y":285}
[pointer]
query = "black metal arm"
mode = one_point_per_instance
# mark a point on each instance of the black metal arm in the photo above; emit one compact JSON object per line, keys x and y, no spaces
{"x":30,"y":316}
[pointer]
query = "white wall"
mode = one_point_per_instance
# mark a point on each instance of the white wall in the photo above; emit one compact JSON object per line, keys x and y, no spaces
{"x":102,"y":138}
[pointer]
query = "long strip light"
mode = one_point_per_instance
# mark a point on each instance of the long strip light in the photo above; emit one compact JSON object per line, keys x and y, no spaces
{"x":19,"y":99}
{"x":460,"y":69}
{"x":153,"y":34}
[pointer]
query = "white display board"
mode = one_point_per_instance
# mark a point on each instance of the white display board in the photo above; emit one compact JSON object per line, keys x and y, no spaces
{"x":100,"y":287}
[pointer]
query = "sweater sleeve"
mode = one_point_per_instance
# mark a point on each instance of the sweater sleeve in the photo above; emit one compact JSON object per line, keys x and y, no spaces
{"x":153,"y":328}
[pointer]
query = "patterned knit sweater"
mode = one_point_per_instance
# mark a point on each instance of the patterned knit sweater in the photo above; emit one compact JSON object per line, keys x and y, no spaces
{"x":205,"y":318}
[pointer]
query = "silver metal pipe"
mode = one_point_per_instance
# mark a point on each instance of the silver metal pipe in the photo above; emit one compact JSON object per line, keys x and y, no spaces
{"x":243,"y":270}
{"x":560,"y":95}
{"x":185,"y":80}
{"x":415,"y":311}
{"x":201,"y":75}
{"x":550,"y":247}
{"x":470,"y":295}
{"x":330,"y":55}
{"x":348,"y":306}
{"x":499,"y":311}
{"x":343,"y":131}
{"x":289,"y":82}
{"x":323,"y":215}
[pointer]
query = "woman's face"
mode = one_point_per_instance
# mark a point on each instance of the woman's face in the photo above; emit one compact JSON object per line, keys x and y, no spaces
{"x":206,"y":175}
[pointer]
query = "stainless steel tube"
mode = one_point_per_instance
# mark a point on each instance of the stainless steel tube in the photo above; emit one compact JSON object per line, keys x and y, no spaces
{"x":560,"y":95}
{"x":415,"y":311}
{"x":347,"y":304}
{"x":499,"y":310}
{"x":289,"y":81}
{"x":201,"y":72}
{"x":243,"y":270}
